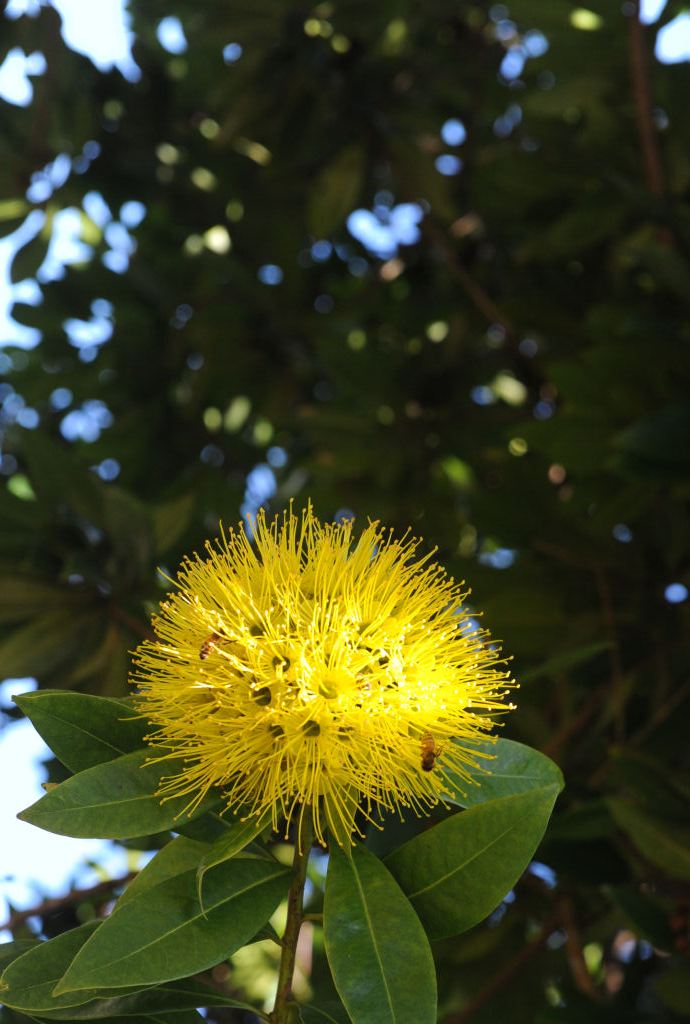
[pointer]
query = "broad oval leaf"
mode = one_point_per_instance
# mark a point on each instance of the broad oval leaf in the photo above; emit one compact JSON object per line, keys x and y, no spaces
{"x":379,"y":955}
{"x":27,"y":983}
{"x":174,"y":858}
{"x":505,"y":769}
{"x":459,"y":871}
{"x":114,"y":800}
{"x":10,"y":951}
{"x":162,"y":934}
{"x":169,"y":998}
{"x":83,"y":730}
{"x":233,"y":841}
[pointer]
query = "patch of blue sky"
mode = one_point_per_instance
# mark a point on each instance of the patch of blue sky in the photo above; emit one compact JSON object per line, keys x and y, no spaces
{"x":96,"y":208}
{"x":88,"y":333}
{"x":260,"y":487}
{"x":11,"y":331}
{"x":448,"y":164}
{"x":86,"y":423}
{"x":673,"y":41}
{"x":66,"y":247}
{"x":15,"y":75}
{"x":277,"y":457}
{"x":500,"y":558}
{"x":453,"y":132}
{"x":42,"y":864}
{"x":676,"y":593}
{"x":651,"y":10}
{"x":232,"y":53}
{"x":98,"y":30}
{"x":170,"y":35}
{"x":386,"y":227}
{"x":270,"y":274}
{"x":51,"y":177}
{"x":122,"y":247}
{"x":108,"y":469}
{"x":132,"y":213}
{"x":101,"y":31}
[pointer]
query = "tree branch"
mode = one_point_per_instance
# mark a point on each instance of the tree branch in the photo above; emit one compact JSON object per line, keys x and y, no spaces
{"x":71,"y":898}
{"x":506,"y":974}
{"x":642,"y":95}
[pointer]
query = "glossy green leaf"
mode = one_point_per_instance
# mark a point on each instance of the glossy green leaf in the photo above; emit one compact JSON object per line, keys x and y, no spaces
{"x":328,"y":1013}
{"x":377,"y":950}
{"x":233,"y":841}
{"x":10,"y":951}
{"x":206,"y":829}
{"x":662,"y":841}
{"x":459,"y":871}
{"x":510,"y":768}
{"x":83,"y":730}
{"x":162,"y":934}
{"x":27,"y":983}
{"x":114,"y":800}
{"x":169,"y":998}
{"x":176,"y":857}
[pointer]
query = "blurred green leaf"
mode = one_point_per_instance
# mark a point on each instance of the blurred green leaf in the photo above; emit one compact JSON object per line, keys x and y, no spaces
{"x":662,"y":842}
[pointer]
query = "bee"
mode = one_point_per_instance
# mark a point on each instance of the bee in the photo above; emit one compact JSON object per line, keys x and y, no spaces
{"x":208,"y":645}
{"x":429,"y":752}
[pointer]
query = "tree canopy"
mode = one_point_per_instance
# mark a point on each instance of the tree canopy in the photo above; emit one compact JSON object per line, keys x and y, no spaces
{"x":424,"y":264}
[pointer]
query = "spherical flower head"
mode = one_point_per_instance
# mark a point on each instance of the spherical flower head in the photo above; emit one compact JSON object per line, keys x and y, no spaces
{"x":301,"y":667}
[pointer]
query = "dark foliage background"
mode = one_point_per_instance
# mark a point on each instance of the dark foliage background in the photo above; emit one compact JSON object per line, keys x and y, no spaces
{"x":513,"y":385}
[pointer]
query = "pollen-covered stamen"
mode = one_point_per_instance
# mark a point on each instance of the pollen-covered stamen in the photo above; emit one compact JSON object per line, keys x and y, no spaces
{"x":305,"y":668}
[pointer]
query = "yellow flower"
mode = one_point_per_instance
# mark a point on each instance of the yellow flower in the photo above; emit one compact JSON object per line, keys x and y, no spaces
{"x":304,"y":667}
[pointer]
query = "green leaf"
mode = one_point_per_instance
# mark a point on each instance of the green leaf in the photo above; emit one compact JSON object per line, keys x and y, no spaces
{"x":24,"y":597}
{"x":664,"y":843}
{"x":60,"y":479}
{"x":10,"y":951}
{"x":233,"y":841}
{"x":170,"y":521}
{"x":377,"y":950}
{"x":647,"y":915}
{"x":336,"y":191}
{"x":513,"y":768}
{"x":114,"y":800}
{"x":27,"y":984}
{"x":175,"y":858}
{"x":673,"y":988}
{"x":162,"y":934}
{"x":170,"y":998}
{"x":46,"y":643}
{"x":328,"y":1013}
{"x":206,"y":829}
{"x":459,"y":871}
{"x":83,"y":730}
{"x":563,"y":661}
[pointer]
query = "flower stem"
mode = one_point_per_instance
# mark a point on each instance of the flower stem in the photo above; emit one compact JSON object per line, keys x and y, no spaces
{"x":281,"y":1013}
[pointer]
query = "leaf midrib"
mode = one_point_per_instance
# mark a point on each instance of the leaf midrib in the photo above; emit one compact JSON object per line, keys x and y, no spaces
{"x":81,"y":729}
{"x":373,"y":940}
{"x":184,"y":924}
